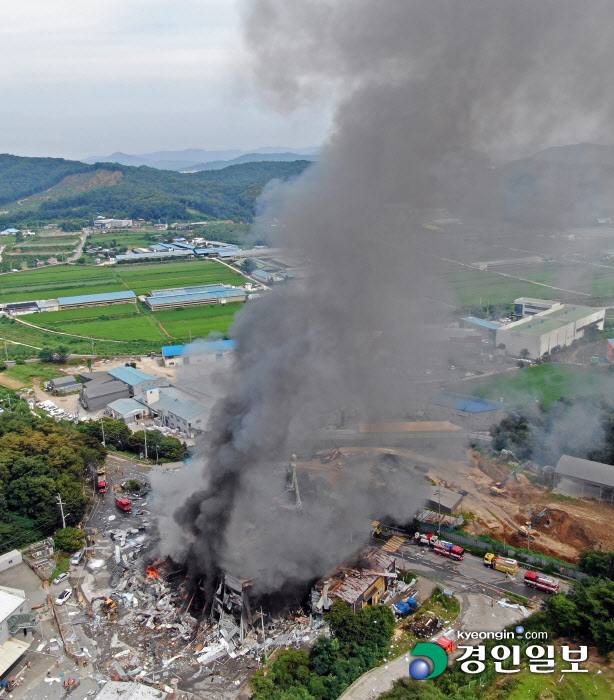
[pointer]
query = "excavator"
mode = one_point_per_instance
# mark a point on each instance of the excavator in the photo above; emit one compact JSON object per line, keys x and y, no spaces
{"x":528,"y":529}
{"x":498,"y":490}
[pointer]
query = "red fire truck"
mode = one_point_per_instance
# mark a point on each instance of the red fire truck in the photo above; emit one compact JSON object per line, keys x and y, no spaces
{"x":541,"y":582}
{"x":447,"y":549}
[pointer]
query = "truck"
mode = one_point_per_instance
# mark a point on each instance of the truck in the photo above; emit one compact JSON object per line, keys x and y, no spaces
{"x":541,"y":582}
{"x":329,"y":455}
{"x":508,"y":566}
{"x":123,"y":504}
{"x":447,"y":549}
{"x":101,"y":485}
{"x":448,"y":645}
{"x":422,"y":539}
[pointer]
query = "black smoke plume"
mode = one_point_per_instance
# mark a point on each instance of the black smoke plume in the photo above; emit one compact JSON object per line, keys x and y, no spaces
{"x":429,"y":95}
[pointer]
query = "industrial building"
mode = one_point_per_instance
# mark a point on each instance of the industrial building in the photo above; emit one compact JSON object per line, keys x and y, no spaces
{"x":112,"y":223}
{"x":14,"y":609}
{"x":556,"y":327}
{"x":64,"y":385}
{"x":97,"y":393}
{"x":488,"y":329}
{"x":358,"y":584}
{"x":583,"y":478}
{"x":175,"y":355}
{"x":194,"y":296}
{"x":175,"y":409}
{"x":443,"y":500}
{"x":472,"y":412}
{"x":105,"y":299}
{"x":135,"y":380}
{"x":525,"y":306}
{"x":127,"y":410}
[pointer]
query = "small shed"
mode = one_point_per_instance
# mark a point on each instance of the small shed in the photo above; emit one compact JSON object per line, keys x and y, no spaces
{"x":10,"y":559}
{"x":64,"y":385}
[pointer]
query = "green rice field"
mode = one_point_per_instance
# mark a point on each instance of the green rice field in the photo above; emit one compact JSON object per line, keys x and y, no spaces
{"x":71,"y":280}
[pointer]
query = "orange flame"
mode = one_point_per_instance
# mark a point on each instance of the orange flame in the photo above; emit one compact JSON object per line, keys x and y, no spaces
{"x":152,"y":571}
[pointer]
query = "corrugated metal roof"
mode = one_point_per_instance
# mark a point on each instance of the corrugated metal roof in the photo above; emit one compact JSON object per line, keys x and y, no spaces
{"x":9,"y":602}
{"x":468,"y":404}
{"x":196,"y":348}
{"x":188,"y":290}
{"x":185,"y":410}
{"x":161,"y":254}
{"x":10,"y":652}
{"x":64,"y":381}
{"x":585,"y":470}
{"x":158,"y":301}
{"x":130,"y":375}
{"x":481,"y":322}
{"x":94,"y":390}
{"x":126,"y":406}
{"x":86,"y":298}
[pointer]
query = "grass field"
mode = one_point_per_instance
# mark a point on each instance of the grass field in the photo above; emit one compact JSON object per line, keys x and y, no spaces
{"x":202,"y":328}
{"x":548,"y":383}
{"x":51,"y":319}
{"x":130,"y":328}
{"x":70,"y":280}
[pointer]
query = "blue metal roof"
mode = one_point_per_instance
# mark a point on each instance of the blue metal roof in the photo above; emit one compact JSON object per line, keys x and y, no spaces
{"x":196,"y":348}
{"x":468,"y":404}
{"x":86,"y":298}
{"x":481,"y":322}
{"x":263,"y":274}
{"x":130,"y":375}
{"x":160,"y":254}
{"x":188,"y":290}
{"x":124,"y":406}
{"x":158,"y":301}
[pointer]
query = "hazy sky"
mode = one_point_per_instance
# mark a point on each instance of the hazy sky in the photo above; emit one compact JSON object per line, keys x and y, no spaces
{"x":90,"y":78}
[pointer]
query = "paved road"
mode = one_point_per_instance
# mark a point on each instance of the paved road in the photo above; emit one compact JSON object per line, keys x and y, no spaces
{"x":467,"y":575}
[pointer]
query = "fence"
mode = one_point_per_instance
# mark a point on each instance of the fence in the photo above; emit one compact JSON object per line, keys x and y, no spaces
{"x":500,"y":548}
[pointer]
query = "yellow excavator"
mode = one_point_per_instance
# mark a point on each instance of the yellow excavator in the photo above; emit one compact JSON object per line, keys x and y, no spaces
{"x":498,"y":490}
{"x":528,"y":529}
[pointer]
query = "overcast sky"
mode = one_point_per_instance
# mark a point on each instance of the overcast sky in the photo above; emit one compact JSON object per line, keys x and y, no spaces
{"x":94,"y":77}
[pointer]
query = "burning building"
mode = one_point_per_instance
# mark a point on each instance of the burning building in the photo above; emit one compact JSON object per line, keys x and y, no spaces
{"x":361,"y":583}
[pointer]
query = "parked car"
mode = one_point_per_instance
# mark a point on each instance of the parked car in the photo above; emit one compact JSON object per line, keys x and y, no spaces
{"x":64,"y":596}
{"x":76,"y":558}
{"x":61,"y":578}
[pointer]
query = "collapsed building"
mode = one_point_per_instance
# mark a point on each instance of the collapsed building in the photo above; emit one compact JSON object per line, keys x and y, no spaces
{"x":362,"y":583}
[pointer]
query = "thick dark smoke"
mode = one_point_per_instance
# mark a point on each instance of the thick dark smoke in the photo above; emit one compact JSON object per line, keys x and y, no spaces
{"x":424,"y":89}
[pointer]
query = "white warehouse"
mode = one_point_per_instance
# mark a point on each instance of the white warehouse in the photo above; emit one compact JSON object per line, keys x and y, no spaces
{"x":556,"y":327}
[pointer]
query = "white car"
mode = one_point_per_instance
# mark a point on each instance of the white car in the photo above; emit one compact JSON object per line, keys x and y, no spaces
{"x":76,"y":558}
{"x":64,"y":596}
{"x":61,"y":578}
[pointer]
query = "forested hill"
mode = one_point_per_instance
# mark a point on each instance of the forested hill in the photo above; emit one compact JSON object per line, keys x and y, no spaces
{"x":45,"y":189}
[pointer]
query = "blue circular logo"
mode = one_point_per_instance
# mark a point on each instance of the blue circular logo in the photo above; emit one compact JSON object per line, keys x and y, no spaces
{"x":519,"y":629}
{"x":419,"y":669}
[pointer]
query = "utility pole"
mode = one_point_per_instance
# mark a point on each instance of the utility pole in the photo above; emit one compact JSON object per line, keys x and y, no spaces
{"x":92,"y":339}
{"x":145,"y":434}
{"x":102,"y":426}
{"x":190,"y":332}
{"x":6,"y":352}
{"x":61,"y":504}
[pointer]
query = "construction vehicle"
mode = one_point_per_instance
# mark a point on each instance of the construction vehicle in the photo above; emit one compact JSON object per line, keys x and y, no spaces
{"x":448,"y":645}
{"x":422,"y":539}
{"x":528,"y":529}
{"x":508,"y":566}
{"x":498,"y":490}
{"x":123,"y":504}
{"x":447,"y":549}
{"x":541,"y":582}
{"x":329,"y":455}
{"x":101,"y":471}
{"x":376,"y":528}
{"x":404,"y":607}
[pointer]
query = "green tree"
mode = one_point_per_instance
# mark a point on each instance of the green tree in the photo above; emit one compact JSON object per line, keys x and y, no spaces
{"x":409,"y":689}
{"x":69,"y":539}
{"x":597,"y":563}
{"x":46,"y":355}
{"x":248,"y":266}
{"x":62,"y":354}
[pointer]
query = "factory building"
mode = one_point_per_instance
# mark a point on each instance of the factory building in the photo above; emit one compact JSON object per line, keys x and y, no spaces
{"x":583,"y":478}
{"x":525,"y":306}
{"x":14,"y":610}
{"x":194,"y":296}
{"x":112,"y":223}
{"x":443,"y":500}
{"x":64,"y":385}
{"x":84,"y":300}
{"x":557,"y":327}
{"x":99,"y":392}
{"x":472,"y":412}
{"x":358,"y":584}
{"x":196,"y":353}
{"x":135,"y":380}
{"x":488,"y":329}
{"x":127,"y":410}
